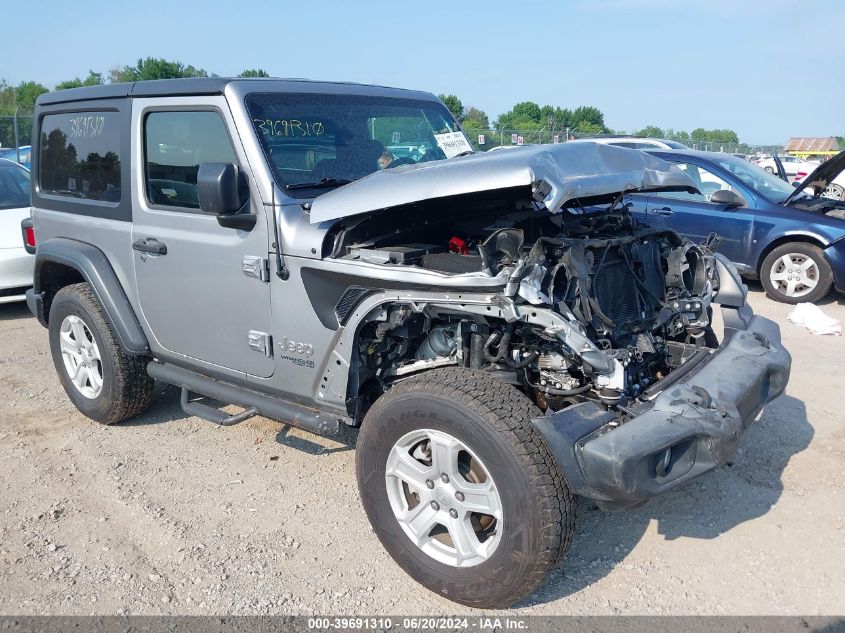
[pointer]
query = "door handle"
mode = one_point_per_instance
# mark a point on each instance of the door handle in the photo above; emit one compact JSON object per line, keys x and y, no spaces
{"x":150,"y":245}
{"x":662,"y":211}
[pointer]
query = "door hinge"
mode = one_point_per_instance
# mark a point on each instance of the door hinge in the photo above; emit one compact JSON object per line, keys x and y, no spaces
{"x":257,"y":267}
{"x":260,"y":342}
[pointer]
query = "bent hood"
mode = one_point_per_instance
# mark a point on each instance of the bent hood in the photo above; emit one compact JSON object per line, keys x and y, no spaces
{"x":555,"y":173}
{"x":821,"y":177}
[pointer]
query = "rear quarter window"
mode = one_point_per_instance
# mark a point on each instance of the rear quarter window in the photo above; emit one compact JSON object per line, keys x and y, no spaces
{"x":79,"y":155}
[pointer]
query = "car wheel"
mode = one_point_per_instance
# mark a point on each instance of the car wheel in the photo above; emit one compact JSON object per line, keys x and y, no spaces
{"x":796,"y":273}
{"x":771,"y":170}
{"x":103,"y":382}
{"x":834,"y":192}
{"x":462,"y":489}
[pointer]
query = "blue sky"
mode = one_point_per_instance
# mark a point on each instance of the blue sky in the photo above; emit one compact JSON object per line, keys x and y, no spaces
{"x":768,"y":70}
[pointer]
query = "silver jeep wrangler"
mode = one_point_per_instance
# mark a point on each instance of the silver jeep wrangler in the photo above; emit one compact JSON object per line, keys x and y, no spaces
{"x":502,"y":331}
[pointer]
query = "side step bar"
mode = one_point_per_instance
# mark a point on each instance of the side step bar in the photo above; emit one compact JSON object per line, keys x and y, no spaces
{"x":305,"y":418}
{"x":214,"y":415}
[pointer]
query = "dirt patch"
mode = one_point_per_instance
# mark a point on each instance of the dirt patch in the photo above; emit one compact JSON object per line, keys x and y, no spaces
{"x":169,"y":514}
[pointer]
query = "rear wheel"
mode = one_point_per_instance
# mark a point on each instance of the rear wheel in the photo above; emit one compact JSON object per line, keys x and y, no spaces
{"x":796,"y":273}
{"x":103,"y":382}
{"x":461,"y":488}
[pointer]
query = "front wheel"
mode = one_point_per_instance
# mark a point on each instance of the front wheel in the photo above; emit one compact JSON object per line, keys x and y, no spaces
{"x":796,"y":273}
{"x":462,"y":489}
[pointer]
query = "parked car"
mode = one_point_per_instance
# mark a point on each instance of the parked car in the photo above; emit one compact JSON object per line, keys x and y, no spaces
{"x":21,"y":155}
{"x":632,"y":142}
{"x":791,"y":240}
{"x":501,"y":350}
{"x":791,"y":164}
{"x":833,"y":189}
{"x":15,"y":263}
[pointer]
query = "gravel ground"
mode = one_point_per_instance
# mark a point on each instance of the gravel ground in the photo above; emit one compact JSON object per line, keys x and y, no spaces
{"x":169,"y":514}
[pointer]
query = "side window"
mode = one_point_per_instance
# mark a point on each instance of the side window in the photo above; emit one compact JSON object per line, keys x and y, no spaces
{"x":707,"y":183}
{"x":79,"y":155}
{"x":176,"y":144}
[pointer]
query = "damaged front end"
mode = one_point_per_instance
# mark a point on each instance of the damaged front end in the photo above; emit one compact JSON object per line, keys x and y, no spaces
{"x":605,"y":324}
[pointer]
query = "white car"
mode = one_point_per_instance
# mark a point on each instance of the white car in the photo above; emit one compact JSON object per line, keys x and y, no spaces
{"x":16,"y":264}
{"x":792,"y":165}
{"x":632,"y":142}
{"x":834,"y":189}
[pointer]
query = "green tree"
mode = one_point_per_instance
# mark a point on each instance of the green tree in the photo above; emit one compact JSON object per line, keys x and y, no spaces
{"x":93,"y":79}
{"x":475,"y":119}
{"x":651,"y":131}
{"x":523,"y":116}
{"x":20,"y":98}
{"x":528,"y":116}
{"x":154,"y":68}
{"x":254,"y":72}
{"x":723,"y":136}
{"x":678,"y":135}
{"x":588,"y":117}
{"x":454,"y":104}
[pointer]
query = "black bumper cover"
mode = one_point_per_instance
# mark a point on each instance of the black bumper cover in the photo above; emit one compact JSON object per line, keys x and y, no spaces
{"x":686,"y":430}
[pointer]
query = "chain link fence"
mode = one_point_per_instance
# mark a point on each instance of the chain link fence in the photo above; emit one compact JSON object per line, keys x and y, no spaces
{"x":15,"y":137}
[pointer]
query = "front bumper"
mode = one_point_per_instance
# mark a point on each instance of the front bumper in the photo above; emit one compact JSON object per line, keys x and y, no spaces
{"x":835,"y":254}
{"x":687,"y":429}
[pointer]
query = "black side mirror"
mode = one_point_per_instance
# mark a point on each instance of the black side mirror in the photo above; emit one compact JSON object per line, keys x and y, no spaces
{"x":222,"y":189}
{"x":727,"y":198}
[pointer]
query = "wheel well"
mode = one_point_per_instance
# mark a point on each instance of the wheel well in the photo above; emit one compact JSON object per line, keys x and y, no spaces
{"x":52,"y":277}
{"x":786,"y":239}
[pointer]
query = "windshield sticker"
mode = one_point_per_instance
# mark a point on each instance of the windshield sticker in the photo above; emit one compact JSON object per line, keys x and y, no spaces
{"x":289,"y":127}
{"x":453,"y":143}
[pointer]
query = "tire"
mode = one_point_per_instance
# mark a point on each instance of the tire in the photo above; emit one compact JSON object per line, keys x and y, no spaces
{"x":117,"y":386}
{"x":775,"y":273}
{"x":492,"y":421}
{"x":771,"y":170}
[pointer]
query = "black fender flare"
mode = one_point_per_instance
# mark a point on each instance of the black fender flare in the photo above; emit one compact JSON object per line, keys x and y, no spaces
{"x":96,"y":269}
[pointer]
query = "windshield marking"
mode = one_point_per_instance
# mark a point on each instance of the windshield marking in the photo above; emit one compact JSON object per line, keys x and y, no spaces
{"x":290,"y":127}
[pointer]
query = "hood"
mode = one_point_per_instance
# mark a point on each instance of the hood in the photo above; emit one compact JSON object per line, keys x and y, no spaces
{"x":555,"y":173}
{"x":821,"y":177}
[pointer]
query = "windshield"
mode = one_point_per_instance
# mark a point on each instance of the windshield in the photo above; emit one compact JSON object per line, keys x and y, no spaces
{"x":756,"y":177}
{"x":313,"y":141}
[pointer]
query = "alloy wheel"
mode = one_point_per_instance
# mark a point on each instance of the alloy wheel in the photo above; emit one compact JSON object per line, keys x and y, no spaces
{"x":834,"y":192}
{"x":81,"y":356}
{"x":444,"y":498}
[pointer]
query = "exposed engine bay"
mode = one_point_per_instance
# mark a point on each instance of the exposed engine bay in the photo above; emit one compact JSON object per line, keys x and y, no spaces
{"x":640,"y":296}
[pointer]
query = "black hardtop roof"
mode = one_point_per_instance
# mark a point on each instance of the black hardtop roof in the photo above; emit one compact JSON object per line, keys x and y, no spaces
{"x":204,"y":86}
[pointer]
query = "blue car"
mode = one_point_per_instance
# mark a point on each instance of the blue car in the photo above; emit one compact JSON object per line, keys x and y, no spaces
{"x":791,"y":238}
{"x":21,"y":155}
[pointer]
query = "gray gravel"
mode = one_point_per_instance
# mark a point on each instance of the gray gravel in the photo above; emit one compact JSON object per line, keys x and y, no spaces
{"x":169,"y":514}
